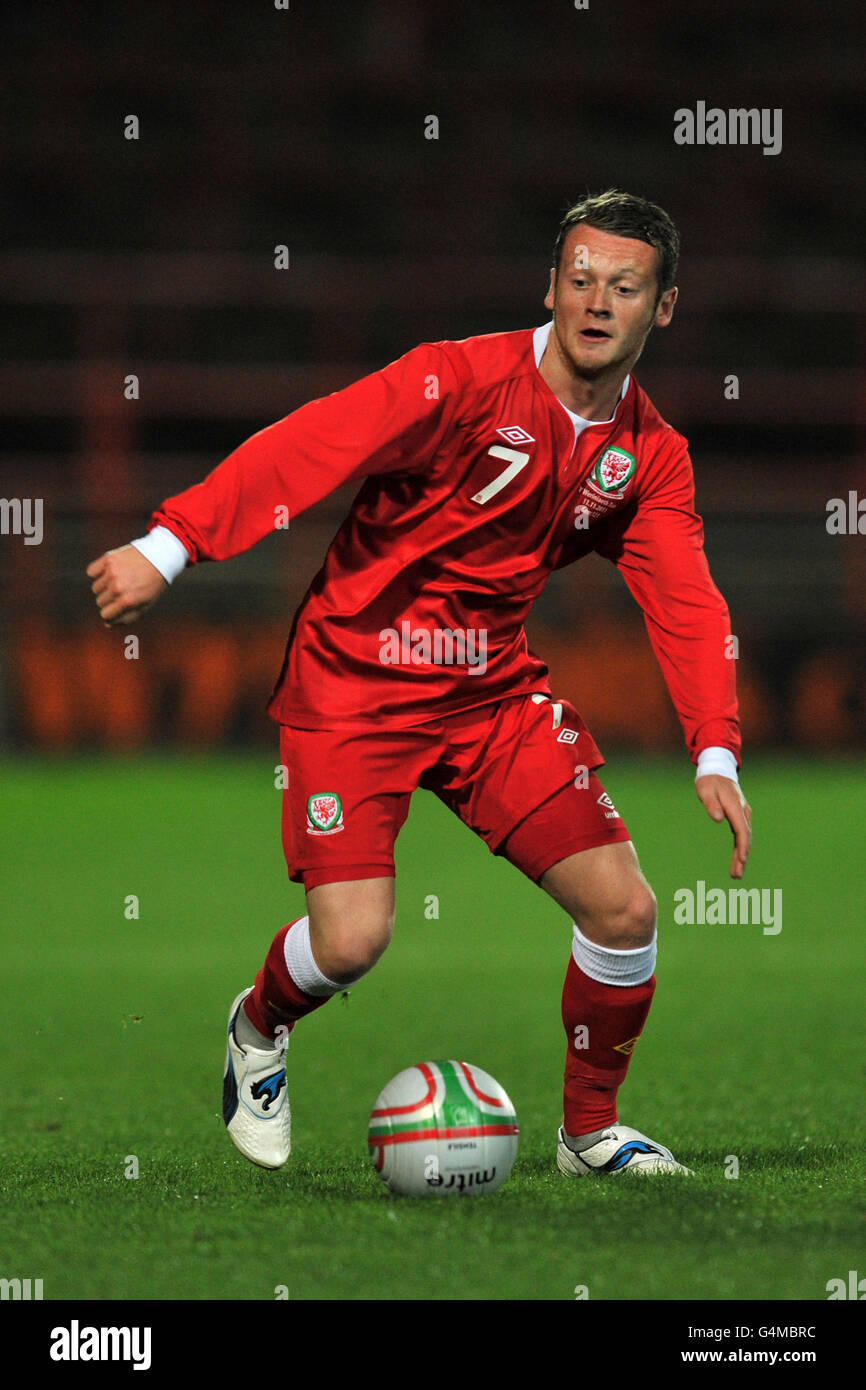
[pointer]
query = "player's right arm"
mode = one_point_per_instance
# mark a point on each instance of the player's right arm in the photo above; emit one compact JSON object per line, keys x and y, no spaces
{"x":390,"y":421}
{"x":125,"y":584}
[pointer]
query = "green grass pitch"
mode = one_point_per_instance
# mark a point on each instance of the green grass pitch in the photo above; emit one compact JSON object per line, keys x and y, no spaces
{"x":113,"y":1048}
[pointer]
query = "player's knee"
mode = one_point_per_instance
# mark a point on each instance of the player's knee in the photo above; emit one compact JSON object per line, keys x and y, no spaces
{"x":637,"y":922}
{"x":349,"y":952}
{"x":648,"y":914}
{"x":628,"y":924}
{"x":351,"y":924}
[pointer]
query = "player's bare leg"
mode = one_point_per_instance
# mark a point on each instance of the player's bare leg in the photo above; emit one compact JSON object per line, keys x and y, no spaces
{"x":604,"y":891}
{"x":347,"y":927}
{"x":606,"y":997}
{"x":351,"y":924}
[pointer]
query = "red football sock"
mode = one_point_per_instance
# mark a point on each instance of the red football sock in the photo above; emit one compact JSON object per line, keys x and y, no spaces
{"x":276,"y":1000}
{"x":609,"y":1019}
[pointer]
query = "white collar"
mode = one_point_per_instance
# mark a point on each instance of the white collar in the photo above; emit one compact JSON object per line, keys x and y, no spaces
{"x":539,"y":343}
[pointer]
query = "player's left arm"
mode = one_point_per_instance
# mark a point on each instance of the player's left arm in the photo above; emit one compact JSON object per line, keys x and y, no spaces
{"x":723,"y":799}
{"x":658,"y":547}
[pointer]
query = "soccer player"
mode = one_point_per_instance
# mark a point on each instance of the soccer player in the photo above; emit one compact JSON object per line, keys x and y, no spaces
{"x":487,"y":463}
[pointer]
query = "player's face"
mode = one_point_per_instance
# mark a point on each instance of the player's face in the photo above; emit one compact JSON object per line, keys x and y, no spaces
{"x":604,"y":300}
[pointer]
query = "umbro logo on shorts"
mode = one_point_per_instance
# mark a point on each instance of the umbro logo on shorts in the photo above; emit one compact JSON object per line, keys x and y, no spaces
{"x":611,"y":813}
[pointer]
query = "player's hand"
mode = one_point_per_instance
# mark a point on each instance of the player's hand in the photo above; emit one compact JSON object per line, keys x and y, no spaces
{"x":125,"y":584}
{"x":724,"y":800}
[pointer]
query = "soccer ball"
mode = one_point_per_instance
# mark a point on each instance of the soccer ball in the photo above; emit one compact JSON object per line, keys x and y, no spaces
{"x":441,"y":1128}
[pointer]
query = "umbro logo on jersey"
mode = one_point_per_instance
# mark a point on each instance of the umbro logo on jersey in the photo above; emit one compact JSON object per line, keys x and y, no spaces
{"x":516,"y":435}
{"x":610,"y":811}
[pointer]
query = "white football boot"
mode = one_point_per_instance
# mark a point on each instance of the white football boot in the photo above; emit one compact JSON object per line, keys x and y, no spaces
{"x":255,"y":1098}
{"x":619,"y":1150}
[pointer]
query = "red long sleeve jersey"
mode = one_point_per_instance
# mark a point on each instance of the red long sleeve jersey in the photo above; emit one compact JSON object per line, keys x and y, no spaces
{"x":478,"y":485}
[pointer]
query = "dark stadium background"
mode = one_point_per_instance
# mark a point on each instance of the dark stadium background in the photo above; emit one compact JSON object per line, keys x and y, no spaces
{"x":306,"y":128}
{"x":141,"y":873}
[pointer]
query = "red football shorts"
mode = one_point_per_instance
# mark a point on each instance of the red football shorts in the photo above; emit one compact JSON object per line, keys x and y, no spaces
{"x":515,"y":773}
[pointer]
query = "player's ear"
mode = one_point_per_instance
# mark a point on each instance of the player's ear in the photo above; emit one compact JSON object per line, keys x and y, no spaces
{"x":549,"y":297}
{"x":665,"y":308}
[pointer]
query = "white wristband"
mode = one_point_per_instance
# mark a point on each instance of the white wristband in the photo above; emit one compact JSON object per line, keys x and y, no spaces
{"x":164,"y":551}
{"x":719,"y":762}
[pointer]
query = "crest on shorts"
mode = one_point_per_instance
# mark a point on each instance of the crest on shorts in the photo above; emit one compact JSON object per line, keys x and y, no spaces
{"x":324,"y":814}
{"x":614,"y":470}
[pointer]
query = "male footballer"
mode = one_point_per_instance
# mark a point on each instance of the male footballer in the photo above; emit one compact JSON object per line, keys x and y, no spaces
{"x":486,"y":463}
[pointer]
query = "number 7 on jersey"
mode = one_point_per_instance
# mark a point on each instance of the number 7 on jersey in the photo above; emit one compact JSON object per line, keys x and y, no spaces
{"x":517,"y":460}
